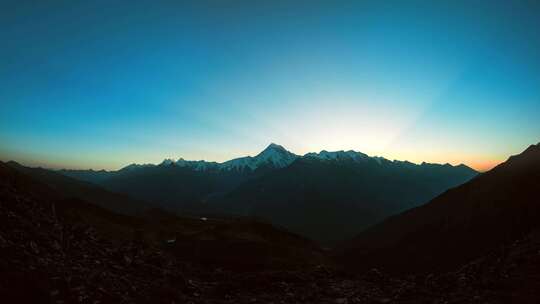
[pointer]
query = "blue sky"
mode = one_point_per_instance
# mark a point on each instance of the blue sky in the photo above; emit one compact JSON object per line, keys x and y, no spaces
{"x":97,"y":84}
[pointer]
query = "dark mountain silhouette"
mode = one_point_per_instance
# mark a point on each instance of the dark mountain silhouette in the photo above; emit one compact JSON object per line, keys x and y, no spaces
{"x":333,"y":199}
{"x":171,"y":187}
{"x":71,"y":188}
{"x":182,"y":186}
{"x":55,"y":249}
{"x":491,"y":210}
{"x":327,"y":196}
{"x":91,"y":176}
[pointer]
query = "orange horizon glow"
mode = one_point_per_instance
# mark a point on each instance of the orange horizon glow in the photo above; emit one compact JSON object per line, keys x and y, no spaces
{"x":477,"y":163}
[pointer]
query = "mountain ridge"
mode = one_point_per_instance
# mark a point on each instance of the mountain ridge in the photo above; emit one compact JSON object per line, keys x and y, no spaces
{"x":462,"y":223}
{"x":344,"y":196}
{"x":347,"y":190}
{"x":273,"y":154}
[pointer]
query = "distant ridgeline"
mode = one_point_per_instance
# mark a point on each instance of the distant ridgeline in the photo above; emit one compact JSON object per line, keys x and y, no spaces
{"x":327,"y":196}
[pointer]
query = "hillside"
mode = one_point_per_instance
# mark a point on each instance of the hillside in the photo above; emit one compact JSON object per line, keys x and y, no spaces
{"x":491,"y":210}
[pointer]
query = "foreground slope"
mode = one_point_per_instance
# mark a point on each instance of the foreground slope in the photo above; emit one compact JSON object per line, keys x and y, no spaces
{"x":61,"y":248}
{"x":57,"y":250}
{"x":229,"y":236}
{"x":491,"y":210}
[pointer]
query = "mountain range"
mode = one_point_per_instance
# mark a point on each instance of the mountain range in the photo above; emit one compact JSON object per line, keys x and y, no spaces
{"x":475,"y":243}
{"x":327,"y":196}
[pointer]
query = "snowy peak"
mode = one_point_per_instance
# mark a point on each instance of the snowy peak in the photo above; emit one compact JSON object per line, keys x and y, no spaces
{"x":167,"y":162}
{"x":274,"y":155}
{"x":196,"y":164}
{"x":339,"y":155}
{"x":277,"y":155}
{"x":274,"y":148}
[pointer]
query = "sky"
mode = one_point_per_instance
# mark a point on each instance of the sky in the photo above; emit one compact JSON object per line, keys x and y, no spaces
{"x":102,"y":84}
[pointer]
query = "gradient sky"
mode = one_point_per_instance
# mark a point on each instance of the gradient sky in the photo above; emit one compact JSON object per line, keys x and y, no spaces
{"x":101,"y":84}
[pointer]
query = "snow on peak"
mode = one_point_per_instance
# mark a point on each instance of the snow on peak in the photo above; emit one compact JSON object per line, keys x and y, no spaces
{"x":167,"y":162}
{"x":196,"y":164}
{"x":277,"y":156}
{"x":338,"y":155}
{"x":276,"y":147}
{"x":274,"y":155}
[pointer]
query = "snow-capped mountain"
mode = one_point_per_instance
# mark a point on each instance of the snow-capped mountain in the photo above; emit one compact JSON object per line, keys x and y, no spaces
{"x":342,"y":191}
{"x":167,"y":162}
{"x":198,"y":165}
{"x":338,"y":155}
{"x":274,"y":155}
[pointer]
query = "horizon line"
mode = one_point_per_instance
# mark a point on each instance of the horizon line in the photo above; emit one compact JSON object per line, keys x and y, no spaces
{"x":48,"y":165}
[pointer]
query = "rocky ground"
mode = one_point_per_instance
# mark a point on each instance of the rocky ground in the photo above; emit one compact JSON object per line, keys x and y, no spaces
{"x":46,"y":257}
